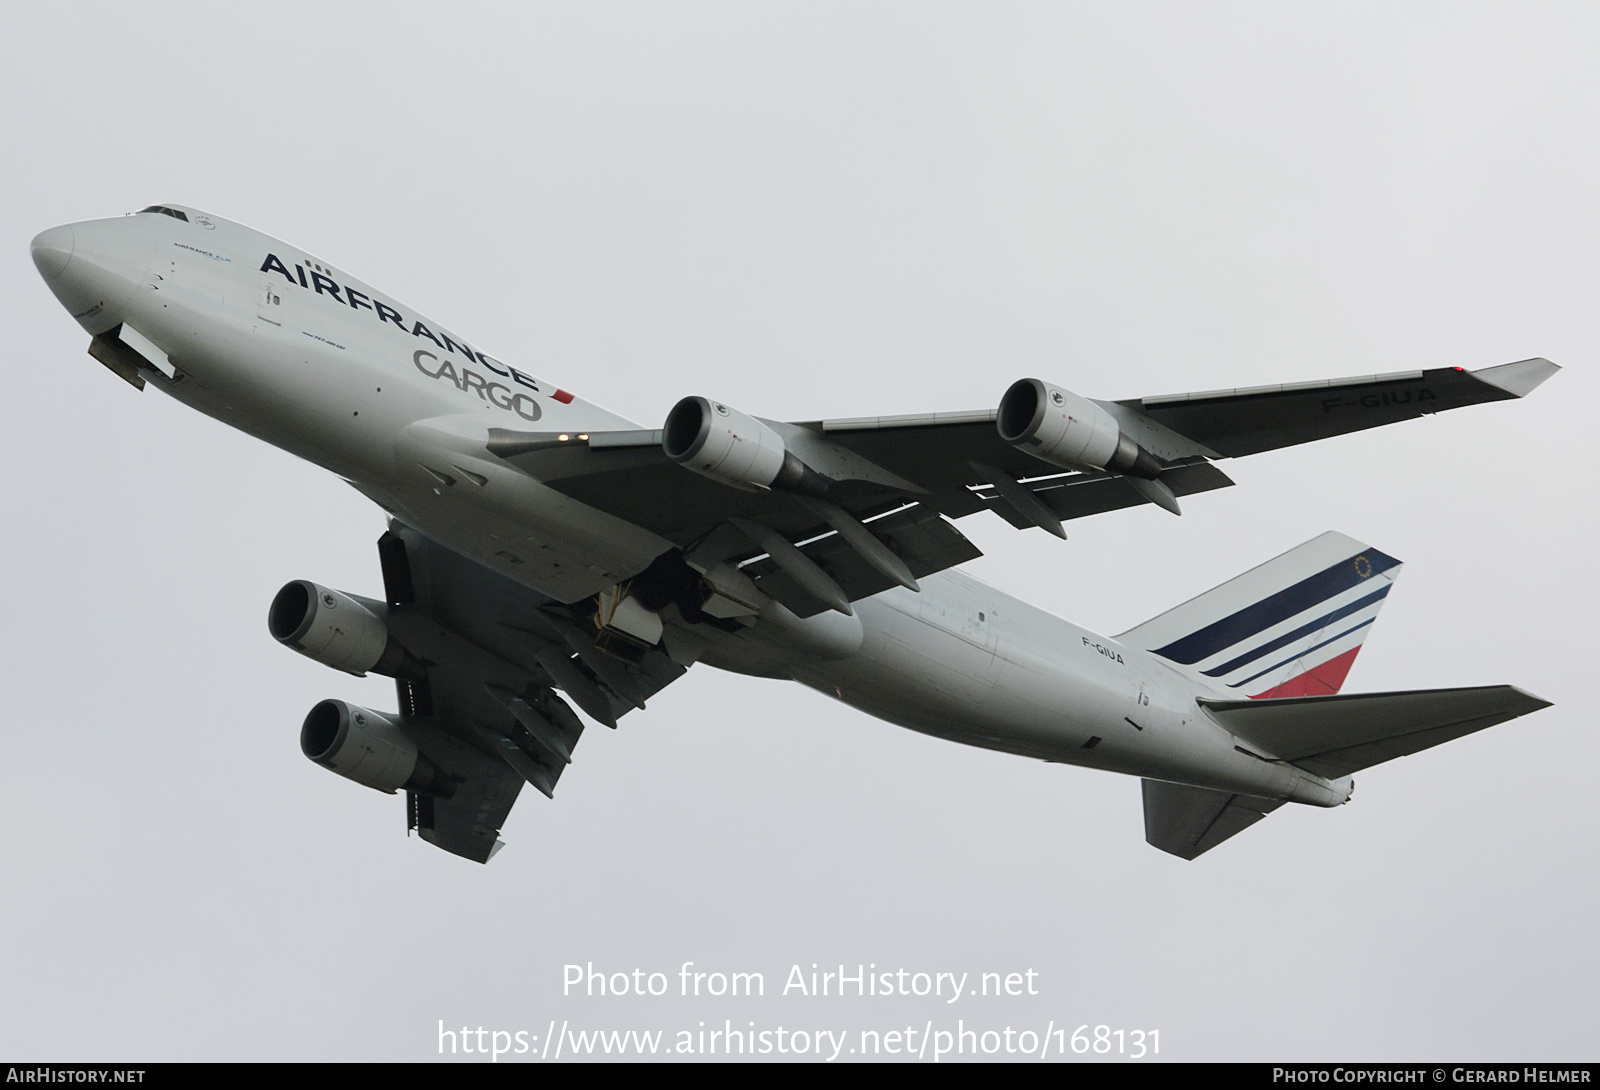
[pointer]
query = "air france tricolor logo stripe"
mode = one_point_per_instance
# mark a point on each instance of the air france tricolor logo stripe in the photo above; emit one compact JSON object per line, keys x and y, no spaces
{"x":1300,"y":640}
{"x":1235,"y":629}
{"x":1298,"y":655}
{"x":1298,"y":634}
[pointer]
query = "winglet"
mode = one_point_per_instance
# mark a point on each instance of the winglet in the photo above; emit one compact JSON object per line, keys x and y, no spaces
{"x":1518,"y":379}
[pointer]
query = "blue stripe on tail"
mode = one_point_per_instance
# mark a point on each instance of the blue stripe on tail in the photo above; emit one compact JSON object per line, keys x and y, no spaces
{"x":1279,"y":607}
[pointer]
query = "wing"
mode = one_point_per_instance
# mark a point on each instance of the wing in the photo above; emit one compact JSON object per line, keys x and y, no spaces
{"x":1237,"y":422}
{"x":480,"y":701}
{"x":847,"y":508}
{"x":871,"y":528}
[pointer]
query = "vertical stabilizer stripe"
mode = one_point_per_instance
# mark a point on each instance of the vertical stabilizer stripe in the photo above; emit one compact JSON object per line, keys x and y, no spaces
{"x":1324,"y":680}
{"x":1276,"y":608}
{"x":1302,"y":654}
{"x":1298,"y":634}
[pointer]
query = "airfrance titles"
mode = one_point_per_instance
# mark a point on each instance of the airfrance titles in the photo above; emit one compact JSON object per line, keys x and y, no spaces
{"x":320,"y":284}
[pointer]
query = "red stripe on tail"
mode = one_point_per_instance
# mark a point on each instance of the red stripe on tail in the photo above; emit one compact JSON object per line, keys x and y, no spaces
{"x":1323,"y":680}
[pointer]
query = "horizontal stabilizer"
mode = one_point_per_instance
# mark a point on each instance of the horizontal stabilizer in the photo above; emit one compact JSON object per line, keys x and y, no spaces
{"x":1187,"y":821}
{"x":1334,"y":736}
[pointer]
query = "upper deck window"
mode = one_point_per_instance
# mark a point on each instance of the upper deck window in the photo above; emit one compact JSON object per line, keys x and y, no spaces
{"x":165,"y":211}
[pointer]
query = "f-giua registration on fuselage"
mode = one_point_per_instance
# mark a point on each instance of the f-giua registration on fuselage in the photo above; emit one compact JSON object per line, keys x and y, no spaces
{"x":540,"y":543}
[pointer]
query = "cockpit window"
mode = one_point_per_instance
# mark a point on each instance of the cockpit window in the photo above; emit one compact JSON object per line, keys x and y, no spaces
{"x":165,"y":211}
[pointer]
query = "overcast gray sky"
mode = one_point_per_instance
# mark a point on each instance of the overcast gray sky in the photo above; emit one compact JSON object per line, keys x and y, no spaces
{"x":814,"y":210}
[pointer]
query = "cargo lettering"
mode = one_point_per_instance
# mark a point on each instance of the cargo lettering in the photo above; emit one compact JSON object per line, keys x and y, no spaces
{"x":496,"y":394}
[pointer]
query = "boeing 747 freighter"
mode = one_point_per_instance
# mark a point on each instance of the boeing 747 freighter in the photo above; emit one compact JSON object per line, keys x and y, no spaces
{"x":539,"y":543}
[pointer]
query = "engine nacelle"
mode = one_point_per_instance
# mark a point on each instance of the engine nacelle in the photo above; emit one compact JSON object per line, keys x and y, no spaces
{"x":1069,"y":431}
{"x":720,"y":442}
{"x":366,"y":746}
{"x":336,"y":630}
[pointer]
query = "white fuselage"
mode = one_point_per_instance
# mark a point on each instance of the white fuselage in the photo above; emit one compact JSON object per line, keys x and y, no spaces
{"x":271,"y":340}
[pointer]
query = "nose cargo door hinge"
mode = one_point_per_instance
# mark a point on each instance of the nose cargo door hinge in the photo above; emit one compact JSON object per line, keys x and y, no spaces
{"x":126,"y":353}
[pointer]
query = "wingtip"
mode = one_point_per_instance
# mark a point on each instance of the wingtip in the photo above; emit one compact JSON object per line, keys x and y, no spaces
{"x":1535,"y":701}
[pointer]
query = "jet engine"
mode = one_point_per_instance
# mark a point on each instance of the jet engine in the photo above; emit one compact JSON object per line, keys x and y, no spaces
{"x":1069,"y":431}
{"x":366,"y":746}
{"x":337,"y":630}
{"x":722,"y":443}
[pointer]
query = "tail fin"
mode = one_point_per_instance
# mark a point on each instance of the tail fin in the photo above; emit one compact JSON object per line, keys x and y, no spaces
{"x":1291,"y":627}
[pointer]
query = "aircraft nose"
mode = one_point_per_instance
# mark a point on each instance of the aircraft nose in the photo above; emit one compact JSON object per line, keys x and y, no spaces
{"x":94,"y":268}
{"x":52,"y":251}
